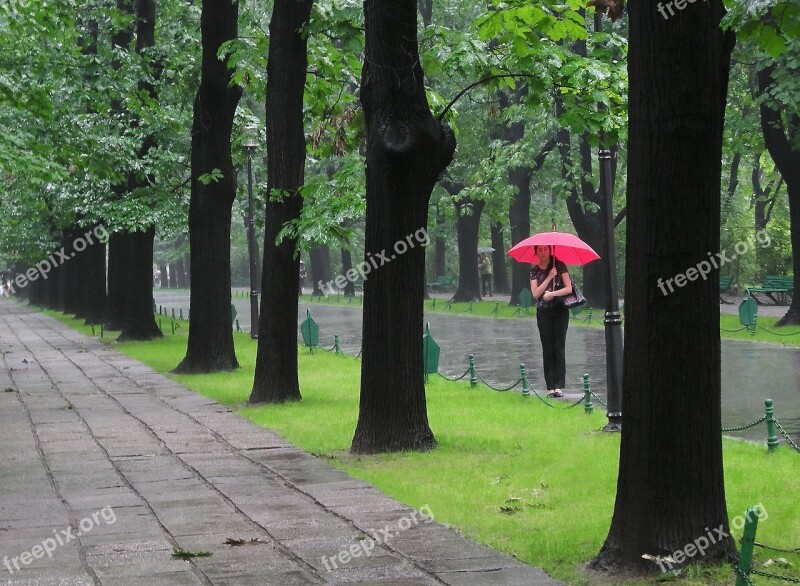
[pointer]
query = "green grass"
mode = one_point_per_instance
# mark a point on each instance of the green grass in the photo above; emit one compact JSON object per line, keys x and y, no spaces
{"x":509,"y":472}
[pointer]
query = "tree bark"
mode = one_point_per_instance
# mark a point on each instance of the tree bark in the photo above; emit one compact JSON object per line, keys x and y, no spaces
{"x":140,"y":322}
{"x":670,"y":488}
{"x":779,"y":139}
{"x":320,"y":269}
{"x":164,"y":280}
{"x":406,"y":150}
{"x":276,"y":361}
{"x":119,"y":259}
{"x":94,"y":294}
{"x":210,"y":344}
{"x":347,"y":264}
{"x":468,"y":219}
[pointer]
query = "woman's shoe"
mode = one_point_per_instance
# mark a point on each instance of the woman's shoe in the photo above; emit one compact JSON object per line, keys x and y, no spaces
{"x":557,"y":393}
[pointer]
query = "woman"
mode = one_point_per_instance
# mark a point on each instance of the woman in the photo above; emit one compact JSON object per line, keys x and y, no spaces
{"x":549,"y":283}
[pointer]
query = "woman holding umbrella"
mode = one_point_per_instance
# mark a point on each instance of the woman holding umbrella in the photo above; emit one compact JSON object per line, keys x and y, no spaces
{"x":549,"y":283}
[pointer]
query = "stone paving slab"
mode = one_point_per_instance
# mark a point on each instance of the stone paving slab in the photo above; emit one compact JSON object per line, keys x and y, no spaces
{"x":107,"y":467}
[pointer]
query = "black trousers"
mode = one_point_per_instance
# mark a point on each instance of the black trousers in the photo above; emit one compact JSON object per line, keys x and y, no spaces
{"x":553,"y":323}
{"x":486,"y":282}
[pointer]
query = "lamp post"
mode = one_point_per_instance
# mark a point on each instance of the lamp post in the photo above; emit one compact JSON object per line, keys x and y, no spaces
{"x":613,"y":319}
{"x":250,"y":143}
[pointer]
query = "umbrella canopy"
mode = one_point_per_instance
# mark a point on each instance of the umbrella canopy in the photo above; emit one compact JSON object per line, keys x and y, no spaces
{"x":567,"y":248}
{"x":485,"y":249}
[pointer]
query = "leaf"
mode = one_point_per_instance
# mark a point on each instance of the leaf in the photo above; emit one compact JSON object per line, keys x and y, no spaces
{"x":238,"y":542}
{"x":181,"y":554}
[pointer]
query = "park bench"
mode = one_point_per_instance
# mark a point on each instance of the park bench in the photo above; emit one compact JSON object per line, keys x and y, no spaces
{"x":774,"y":285}
{"x":726,"y":286}
{"x":441,"y":283}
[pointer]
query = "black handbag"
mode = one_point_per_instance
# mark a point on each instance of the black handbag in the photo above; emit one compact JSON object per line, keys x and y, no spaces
{"x":574,"y":299}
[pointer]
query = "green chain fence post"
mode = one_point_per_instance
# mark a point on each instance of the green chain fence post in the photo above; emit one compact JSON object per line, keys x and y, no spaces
{"x":473,"y":378}
{"x":526,"y":389}
{"x":748,"y":540}
{"x":587,"y":395}
{"x":772,"y":435}
{"x":101,"y":330}
{"x":469,"y":309}
{"x":753,"y":327}
{"x":173,"y":313}
{"x":518,"y":312}
{"x":159,"y":326}
{"x":496,"y":309}
{"x":433,"y":304}
{"x":172,"y":322}
{"x":336,"y":348}
{"x":181,"y":313}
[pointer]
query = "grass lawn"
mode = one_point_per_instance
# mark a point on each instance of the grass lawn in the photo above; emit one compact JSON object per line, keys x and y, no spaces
{"x":535,"y":482}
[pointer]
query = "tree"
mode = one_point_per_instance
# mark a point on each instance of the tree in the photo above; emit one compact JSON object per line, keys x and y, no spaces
{"x":213,"y":186}
{"x":276,"y":361}
{"x":670,"y":488}
{"x":406,"y":150}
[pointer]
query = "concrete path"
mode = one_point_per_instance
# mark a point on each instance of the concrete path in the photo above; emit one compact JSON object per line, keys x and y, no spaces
{"x":106,"y":467}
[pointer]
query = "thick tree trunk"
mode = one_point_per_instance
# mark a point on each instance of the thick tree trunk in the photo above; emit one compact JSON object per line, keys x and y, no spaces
{"x":140,"y":322}
{"x":119,"y":259}
{"x":500,"y":279}
{"x":94,"y":289}
{"x":670,"y":489}
{"x":210,"y":345}
{"x":468,"y":220}
{"x":163,"y":281}
{"x":173,"y":275}
{"x":347,"y":264}
{"x":406,"y":149}
{"x":72,"y":274}
{"x":276,"y":361}
{"x":440,"y":245}
{"x":180,"y":277}
{"x":779,"y":140}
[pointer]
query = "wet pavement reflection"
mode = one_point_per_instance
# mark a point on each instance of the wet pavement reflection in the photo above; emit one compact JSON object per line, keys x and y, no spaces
{"x":751,"y":372}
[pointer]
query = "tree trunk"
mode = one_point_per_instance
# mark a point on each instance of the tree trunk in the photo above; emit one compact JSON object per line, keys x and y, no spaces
{"x":500,"y":279}
{"x":468,"y":219}
{"x":95,"y":286}
{"x":406,"y":150}
{"x":320,"y":269}
{"x":119,"y":260}
{"x":347,"y":264}
{"x":779,"y":140}
{"x":180,"y":276}
{"x":210,"y":345}
{"x":163,"y":281}
{"x":670,"y":488}
{"x":276,"y":361}
{"x":140,"y":322}
{"x":173,"y":275}
{"x":440,"y":245}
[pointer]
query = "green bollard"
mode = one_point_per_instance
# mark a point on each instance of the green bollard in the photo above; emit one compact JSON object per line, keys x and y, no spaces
{"x":101,"y":330}
{"x":159,"y":310}
{"x":753,"y":326}
{"x":92,"y":329}
{"x":159,"y":327}
{"x":587,"y":396}
{"x":173,"y":313}
{"x":748,"y":540}
{"x":526,"y":389}
{"x":336,"y":348}
{"x":473,"y":377}
{"x":433,"y":305}
{"x":518,"y":313}
{"x":172,"y":322}
{"x":449,"y":305}
{"x":238,"y":327}
{"x":772,"y":436}
{"x":181,"y":313}
{"x":469,"y":309}
{"x":496,"y":308}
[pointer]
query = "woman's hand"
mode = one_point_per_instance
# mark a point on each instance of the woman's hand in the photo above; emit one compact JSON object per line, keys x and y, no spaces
{"x":553,"y":273}
{"x":548,"y":295}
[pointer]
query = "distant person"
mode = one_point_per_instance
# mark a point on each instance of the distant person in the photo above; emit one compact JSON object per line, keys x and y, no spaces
{"x":485,"y":268}
{"x":550,"y":282}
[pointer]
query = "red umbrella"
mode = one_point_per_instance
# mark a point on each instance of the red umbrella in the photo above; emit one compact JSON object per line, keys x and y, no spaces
{"x":567,"y":248}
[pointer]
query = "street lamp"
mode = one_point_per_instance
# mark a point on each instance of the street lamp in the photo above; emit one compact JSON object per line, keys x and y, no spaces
{"x":613,"y":319}
{"x":250,"y":144}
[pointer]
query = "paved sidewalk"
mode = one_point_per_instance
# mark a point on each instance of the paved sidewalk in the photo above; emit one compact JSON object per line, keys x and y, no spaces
{"x":107,"y":466}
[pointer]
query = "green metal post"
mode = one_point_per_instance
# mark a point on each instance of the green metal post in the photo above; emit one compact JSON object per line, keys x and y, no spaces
{"x":337,"y":296}
{"x":238,"y":327}
{"x":469,"y":309}
{"x":92,"y":329}
{"x":518,"y":312}
{"x":181,"y":313}
{"x":336,"y":348}
{"x":496,"y":308}
{"x":473,"y":377}
{"x":772,"y":435}
{"x":753,"y":326}
{"x":173,"y":313}
{"x":101,"y":330}
{"x":159,"y":310}
{"x":748,"y":540}
{"x":159,"y":326}
{"x":433,"y":305}
{"x":526,"y":389}
{"x":172,"y":322}
{"x":587,"y":396}
{"x":449,"y":305}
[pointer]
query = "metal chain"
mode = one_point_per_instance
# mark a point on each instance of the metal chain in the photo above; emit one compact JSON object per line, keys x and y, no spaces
{"x":786,"y":436}
{"x":445,"y":377}
{"x":739,"y":571}
{"x":732,"y":331}
{"x":599,"y":400}
{"x":576,"y":403}
{"x":495,"y":388}
{"x":743,"y":427}
{"x":775,"y":576}
{"x":773,"y":548}
{"x":776,"y":333}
